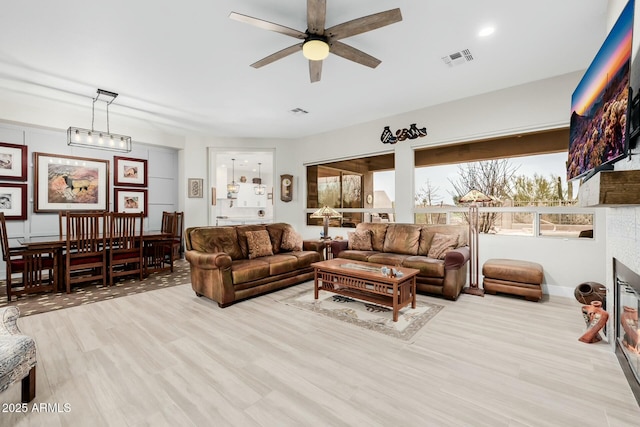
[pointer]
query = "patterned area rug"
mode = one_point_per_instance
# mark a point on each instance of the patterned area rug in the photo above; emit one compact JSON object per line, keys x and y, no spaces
{"x":87,"y":294}
{"x":367,"y":315}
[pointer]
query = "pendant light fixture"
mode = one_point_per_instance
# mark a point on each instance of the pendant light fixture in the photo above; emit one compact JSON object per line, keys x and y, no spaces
{"x":99,"y":139}
{"x":233,"y":187}
{"x":259,"y":189}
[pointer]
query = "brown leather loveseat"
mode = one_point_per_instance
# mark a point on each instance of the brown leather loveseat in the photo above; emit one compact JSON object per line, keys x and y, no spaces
{"x":231,"y":263}
{"x":440,"y":252}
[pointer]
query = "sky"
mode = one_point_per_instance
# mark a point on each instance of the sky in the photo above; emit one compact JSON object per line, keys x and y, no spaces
{"x":438,"y":176}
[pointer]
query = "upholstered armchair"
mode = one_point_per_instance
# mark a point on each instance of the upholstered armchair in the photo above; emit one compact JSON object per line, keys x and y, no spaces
{"x":17,"y":355}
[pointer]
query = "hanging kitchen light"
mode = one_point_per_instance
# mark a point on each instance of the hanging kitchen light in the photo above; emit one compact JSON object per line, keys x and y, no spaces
{"x":233,"y":187}
{"x":259,"y":189}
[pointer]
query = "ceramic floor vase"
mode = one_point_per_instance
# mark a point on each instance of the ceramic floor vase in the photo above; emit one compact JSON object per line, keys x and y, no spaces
{"x":597,"y":319}
{"x":629,"y":321}
{"x":588,"y":292}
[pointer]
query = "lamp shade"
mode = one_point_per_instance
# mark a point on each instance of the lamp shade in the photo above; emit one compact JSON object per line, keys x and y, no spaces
{"x":315,"y":50}
{"x":475,"y":196}
{"x":326,"y":212}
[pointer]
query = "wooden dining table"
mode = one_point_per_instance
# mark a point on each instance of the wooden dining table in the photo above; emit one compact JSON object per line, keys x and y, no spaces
{"x":58,"y":243}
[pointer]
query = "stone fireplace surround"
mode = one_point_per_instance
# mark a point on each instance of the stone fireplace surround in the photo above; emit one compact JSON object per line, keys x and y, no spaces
{"x":623,"y":244}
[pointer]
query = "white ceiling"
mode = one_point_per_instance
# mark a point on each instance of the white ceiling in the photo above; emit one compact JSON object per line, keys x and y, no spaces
{"x":185,"y":65}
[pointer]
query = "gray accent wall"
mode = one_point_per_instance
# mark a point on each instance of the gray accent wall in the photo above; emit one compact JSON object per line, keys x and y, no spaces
{"x":162,"y":169}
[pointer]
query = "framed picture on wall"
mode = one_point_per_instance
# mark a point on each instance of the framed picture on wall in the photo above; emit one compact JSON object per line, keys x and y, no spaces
{"x":70,"y":183}
{"x":13,"y":201}
{"x":195,"y":188}
{"x":130,"y":200}
{"x":129,"y":172}
{"x":13,"y":162}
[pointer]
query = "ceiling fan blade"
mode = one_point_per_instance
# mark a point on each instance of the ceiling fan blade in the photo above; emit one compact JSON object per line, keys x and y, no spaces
{"x":278,"y":55}
{"x":353,"y":54}
{"x":316,"y":14}
{"x":266,"y":25}
{"x":364,"y":24}
{"x":315,"y":70}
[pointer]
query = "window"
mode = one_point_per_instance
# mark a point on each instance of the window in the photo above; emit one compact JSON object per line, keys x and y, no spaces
{"x":349,"y":186}
{"x":525,"y":176}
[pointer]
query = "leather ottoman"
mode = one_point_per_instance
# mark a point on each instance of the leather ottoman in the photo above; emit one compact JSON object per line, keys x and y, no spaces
{"x":511,"y":276}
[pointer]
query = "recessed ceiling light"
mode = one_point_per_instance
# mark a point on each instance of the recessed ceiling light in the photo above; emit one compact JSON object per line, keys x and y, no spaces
{"x":486,"y":31}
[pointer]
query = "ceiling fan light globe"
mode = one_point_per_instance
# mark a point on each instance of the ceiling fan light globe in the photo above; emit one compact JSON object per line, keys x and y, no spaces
{"x":315,"y":50}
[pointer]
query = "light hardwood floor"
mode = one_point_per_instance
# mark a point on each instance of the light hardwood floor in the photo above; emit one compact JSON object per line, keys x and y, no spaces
{"x":168,"y":358}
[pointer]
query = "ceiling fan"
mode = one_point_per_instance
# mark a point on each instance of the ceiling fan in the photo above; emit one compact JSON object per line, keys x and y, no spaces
{"x":318,"y":42}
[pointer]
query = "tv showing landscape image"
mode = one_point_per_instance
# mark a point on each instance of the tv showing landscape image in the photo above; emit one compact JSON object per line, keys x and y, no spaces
{"x":599,"y":103}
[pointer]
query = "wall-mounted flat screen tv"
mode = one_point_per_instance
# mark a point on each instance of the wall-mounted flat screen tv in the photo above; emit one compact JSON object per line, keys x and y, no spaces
{"x":599,"y":104}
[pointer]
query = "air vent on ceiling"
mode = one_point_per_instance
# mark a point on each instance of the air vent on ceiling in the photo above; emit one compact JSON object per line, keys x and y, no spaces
{"x":458,"y":58}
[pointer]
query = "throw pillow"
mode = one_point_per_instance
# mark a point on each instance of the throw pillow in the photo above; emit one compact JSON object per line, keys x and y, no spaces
{"x":291,"y":241}
{"x":259,"y":244}
{"x":360,"y":240}
{"x":441,"y":244}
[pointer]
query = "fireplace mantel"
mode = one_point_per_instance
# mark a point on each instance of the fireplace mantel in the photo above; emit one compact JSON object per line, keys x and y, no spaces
{"x":610,"y":189}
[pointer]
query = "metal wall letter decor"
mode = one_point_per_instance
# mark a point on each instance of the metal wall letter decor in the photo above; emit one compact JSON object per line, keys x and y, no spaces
{"x":413,"y":132}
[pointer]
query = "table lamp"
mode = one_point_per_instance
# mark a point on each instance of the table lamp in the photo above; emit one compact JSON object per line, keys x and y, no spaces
{"x":325,"y":213}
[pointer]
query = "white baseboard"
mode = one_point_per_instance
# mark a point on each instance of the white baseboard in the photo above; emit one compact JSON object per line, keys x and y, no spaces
{"x":558,"y":291}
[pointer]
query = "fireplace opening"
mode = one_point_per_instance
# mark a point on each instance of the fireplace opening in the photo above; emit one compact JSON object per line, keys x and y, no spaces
{"x":627,"y":331}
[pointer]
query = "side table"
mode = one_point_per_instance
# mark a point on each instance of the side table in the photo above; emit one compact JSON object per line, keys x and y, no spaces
{"x":327,"y":247}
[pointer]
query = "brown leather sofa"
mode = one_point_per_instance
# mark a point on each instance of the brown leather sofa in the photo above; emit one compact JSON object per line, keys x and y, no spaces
{"x":409,"y":245}
{"x":221,"y":268}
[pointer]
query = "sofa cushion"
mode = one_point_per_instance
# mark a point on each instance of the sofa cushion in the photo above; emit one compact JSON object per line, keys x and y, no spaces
{"x":247,"y":270}
{"x":378,"y":231}
{"x":402,"y":239}
{"x":242,"y":236}
{"x":359,"y":240}
{"x":357,"y":255}
{"x":276,"y":230}
{"x":388,"y":258}
{"x":291,"y":240}
{"x":441,"y":244}
{"x":281,"y":263}
{"x":306,"y":258}
{"x":428,"y":267}
{"x":428,"y":231}
{"x":259,"y":244}
{"x":216,"y":239}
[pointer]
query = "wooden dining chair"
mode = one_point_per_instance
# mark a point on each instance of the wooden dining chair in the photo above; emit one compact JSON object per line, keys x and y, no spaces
{"x":38,"y":267}
{"x":125,"y":245}
{"x":159,"y":253}
{"x":85,"y":251}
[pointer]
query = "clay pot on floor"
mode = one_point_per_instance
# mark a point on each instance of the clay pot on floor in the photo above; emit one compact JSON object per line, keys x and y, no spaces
{"x":629,"y":322}
{"x":588,"y":292}
{"x":597,"y":319}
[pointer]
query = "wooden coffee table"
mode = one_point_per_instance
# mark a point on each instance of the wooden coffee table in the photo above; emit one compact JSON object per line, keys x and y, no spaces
{"x":365,"y":281}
